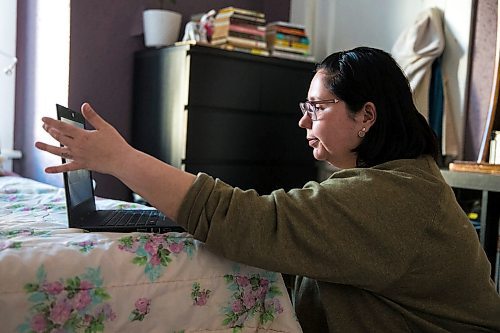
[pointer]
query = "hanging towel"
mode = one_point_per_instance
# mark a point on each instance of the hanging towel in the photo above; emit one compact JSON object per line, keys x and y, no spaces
{"x":415,"y":50}
{"x":436,"y":99}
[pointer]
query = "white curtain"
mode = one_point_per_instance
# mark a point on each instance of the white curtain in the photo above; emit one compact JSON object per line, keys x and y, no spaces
{"x":8,"y":14}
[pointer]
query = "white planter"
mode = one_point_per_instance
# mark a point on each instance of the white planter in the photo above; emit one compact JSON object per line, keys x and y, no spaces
{"x":161,"y":27}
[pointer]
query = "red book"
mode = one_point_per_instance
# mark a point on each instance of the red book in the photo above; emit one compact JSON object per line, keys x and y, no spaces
{"x":247,"y":29}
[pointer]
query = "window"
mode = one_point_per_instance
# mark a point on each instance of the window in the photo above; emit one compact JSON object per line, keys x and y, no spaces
{"x":8,"y":9}
{"x":42,"y":80}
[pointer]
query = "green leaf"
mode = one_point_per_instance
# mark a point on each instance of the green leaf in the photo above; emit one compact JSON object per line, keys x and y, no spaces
{"x":254,"y":309}
{"x":73,"y":321}
{"x":141,"y":252}
{"x":15,"y":245}
{"x":101,"y":292}
{"x":94,"y":327}
{"x":141,"y":261}
{"x":230,"y":317}
{"x":228,"y":278}
{"x":73,"y":283}
{"x":31,"y":287}
{"x":153,"y":272}
{"x":93,"y":275}
{"x":24,"y":327}
{"x":266,"y":316}
{"x":37,"y":297}
{"x":165,"y":259}
{"x":254,"y":280}
{"x":126,"y":241}
{"x":41,"y":308}
{"x":41,"y":275}
{"x":273,"y":292}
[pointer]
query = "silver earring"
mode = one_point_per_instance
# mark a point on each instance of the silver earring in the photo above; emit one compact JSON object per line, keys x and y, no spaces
{"x":362,"y":133}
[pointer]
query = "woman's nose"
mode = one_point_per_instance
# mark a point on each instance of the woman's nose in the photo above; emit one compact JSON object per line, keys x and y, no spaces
{"x":305,"y":121}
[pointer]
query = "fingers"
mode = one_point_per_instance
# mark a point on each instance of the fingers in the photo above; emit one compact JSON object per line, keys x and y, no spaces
{"x":92,"y":117}
{"x":58,"y":135}
{"x":60,"y":131}
{"x":64,"y":132}
{"x":70,"y":166}
{"x":58,"y":151}
{"x":67,"y":129}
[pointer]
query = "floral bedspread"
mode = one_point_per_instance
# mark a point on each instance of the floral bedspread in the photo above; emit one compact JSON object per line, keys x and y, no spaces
{"x":55,"y":279}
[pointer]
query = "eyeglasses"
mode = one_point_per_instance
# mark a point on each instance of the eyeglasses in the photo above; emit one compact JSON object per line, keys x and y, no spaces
{"x":311,"y":108}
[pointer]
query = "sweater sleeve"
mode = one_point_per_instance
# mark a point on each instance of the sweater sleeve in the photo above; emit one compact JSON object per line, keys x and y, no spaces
{"x":336,"y":231}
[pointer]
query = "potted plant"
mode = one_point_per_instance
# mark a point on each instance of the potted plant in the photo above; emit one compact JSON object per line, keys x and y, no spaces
{"x":161,"y":26}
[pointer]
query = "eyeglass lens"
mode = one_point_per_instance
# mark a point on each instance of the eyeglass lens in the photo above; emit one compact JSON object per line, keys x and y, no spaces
{"x":309,"y":108}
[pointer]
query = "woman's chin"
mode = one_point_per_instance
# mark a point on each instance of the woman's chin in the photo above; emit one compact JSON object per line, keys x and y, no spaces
{"x":318,"y":156}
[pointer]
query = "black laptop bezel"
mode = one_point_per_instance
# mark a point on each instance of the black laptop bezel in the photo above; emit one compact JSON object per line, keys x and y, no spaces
{"x":75,"y":213}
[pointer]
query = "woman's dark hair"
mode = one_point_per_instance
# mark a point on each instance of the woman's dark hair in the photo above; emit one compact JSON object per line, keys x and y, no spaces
{"x":370,"y":75}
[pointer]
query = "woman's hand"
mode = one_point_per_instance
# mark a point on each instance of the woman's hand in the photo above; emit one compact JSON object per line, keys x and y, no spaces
{"x":102,"y":149}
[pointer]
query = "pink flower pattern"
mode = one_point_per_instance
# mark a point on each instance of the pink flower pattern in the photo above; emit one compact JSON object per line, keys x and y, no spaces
{"x":252,"y":295}
{"x":61,"y":311}
{"x":176,"y":247}
{"x":85,"y":246}
{"x":39,"y":323}
{"x":154,"y":251}
{"x":70,"y":304}
{"x":81,"y":300}
{"x":142,"y":308}
{"x":142,"y":305}
{"x":53,"y":288}
{"x":198,"y":295}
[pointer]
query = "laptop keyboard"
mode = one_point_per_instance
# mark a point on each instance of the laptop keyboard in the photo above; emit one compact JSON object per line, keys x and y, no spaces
{"x":139,"y":218}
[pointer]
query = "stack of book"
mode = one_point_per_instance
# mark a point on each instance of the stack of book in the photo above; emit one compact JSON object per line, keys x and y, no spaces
{"x":241,"y":30}
{"x":288,"y":40}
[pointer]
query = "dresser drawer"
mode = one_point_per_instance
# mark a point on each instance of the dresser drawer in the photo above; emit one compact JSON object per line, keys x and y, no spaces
{"x":219,"y":134}
{"x":284,"y":87}
{"x":224,"y":82}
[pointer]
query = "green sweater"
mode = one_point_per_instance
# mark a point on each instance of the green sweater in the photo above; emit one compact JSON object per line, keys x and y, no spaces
{"x":384,"y":249}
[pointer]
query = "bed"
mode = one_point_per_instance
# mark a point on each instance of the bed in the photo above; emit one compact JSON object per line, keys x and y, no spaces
{"x":55,"y":279}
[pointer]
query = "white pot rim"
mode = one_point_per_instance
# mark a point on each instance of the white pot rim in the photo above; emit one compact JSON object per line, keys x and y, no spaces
{"x":161,"y":11}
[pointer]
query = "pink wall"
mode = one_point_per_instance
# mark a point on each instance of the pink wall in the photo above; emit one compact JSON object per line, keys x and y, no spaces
{"x":482,"y":68}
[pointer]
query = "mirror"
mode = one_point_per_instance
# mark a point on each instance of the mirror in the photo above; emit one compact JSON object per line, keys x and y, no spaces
{"x":493,"y":116}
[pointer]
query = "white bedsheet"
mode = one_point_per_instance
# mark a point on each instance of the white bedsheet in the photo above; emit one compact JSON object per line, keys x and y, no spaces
{"x":55,"y":279}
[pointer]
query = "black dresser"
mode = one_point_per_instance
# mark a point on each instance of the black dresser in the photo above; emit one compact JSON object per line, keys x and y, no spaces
{"x":230,"y":114}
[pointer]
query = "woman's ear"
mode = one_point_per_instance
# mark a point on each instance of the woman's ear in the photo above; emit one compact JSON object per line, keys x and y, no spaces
{"x":369,"y":114}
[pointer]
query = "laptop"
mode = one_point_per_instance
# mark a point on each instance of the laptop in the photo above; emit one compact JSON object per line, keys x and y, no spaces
{"x":80,"y":200}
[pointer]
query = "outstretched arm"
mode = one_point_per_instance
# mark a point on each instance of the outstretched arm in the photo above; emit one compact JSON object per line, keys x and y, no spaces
{"x":104,"y":150}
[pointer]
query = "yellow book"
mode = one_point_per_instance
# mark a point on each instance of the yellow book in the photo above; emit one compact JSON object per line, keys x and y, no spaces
{"x":231,"y":10}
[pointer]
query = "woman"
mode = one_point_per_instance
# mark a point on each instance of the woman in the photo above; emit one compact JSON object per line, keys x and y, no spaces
{"x":382,"y":244}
